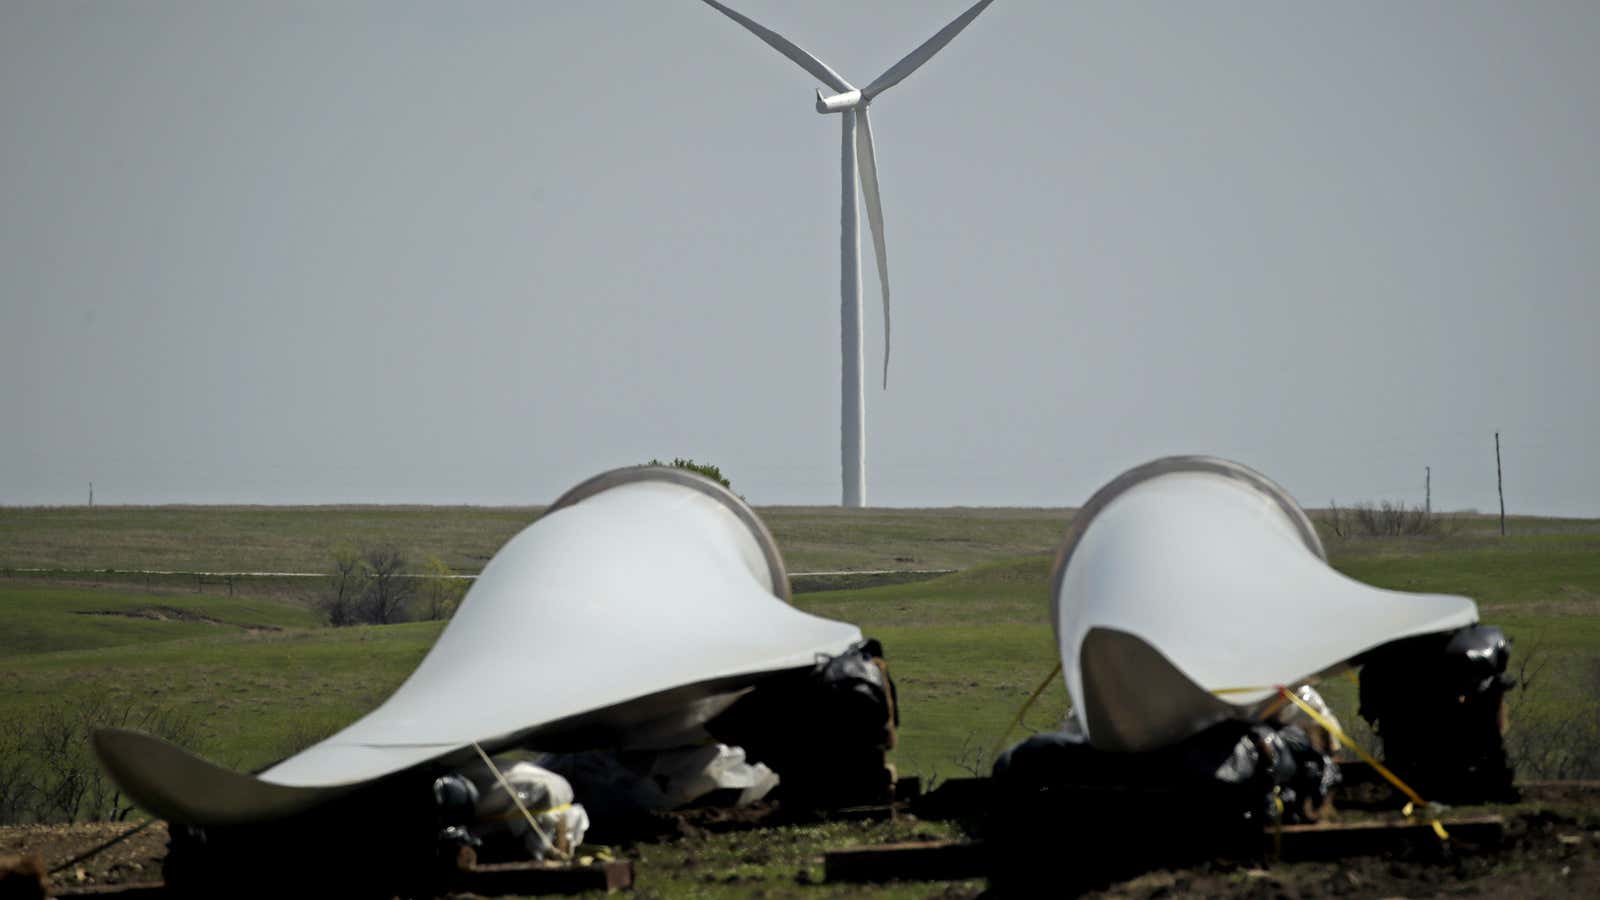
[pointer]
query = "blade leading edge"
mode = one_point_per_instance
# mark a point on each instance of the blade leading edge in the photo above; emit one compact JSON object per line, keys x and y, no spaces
{"x":867,"y":162}
{"x":788,"y":48}
{"x":897,"y":72}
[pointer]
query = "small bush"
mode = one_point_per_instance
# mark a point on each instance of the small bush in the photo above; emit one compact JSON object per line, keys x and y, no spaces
{"x":1384,"y":519}
{"x":1562,"y":741}
{"x":368,"y":588}
{"x":708,"y":470}
{"x":439,"y":594}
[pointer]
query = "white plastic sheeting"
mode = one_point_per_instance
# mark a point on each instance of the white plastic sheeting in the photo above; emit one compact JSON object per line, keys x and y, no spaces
{"x":1190,"y":576}
{"x":546,"y":796}
{"x":626,"y":617}
{"x":624,"y":785}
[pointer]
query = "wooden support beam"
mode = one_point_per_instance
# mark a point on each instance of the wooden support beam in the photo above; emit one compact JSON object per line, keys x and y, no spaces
{"x":536,"y":878}
{"x":878,"y":812}
{"x":152,"y":890}
{"x":917,"y":861}
{"x":1336,"y":840}
{"x":960,"y":860}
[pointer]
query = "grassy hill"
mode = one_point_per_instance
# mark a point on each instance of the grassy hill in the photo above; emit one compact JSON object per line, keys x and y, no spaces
{"x":46,"y":619}
{"x":248,"y":677}
{"x":302,"y":538}
{"x":258,"y":673}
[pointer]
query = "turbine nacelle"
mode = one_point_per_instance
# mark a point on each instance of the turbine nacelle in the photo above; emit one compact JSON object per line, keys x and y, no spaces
{"x":838,"y":103}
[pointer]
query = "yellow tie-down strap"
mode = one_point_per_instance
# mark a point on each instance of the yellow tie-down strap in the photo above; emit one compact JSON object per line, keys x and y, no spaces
{"x":1411,"y":809}
{"x":1000,"y":745}
{"x":517,"y":799}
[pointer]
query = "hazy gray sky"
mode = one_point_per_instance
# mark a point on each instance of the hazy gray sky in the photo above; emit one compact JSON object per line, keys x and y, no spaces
{"x":379,"y":251}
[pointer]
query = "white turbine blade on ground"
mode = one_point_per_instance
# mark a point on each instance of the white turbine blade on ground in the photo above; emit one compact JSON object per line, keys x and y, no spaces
{"x":922,"y":54}
{"x":867,"y":160}
{"x":788,"y":48}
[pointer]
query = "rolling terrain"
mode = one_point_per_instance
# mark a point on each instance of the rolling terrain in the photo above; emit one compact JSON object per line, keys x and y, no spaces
{"x":244,"y":671}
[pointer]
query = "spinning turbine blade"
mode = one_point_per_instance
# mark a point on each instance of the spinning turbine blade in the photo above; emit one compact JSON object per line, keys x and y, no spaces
{"x":783,"y":45}
{"x":868,"y":163}
{"x":917,"y":57}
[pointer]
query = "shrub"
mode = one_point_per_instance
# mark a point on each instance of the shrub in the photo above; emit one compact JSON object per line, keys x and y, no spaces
{"x":1554,"y":740}
{"x":368,"y":588}
{"x":48,"y":771}
{"x":708,"y":470}
{"x":1384,"y":519}
{"x":439,"y":594}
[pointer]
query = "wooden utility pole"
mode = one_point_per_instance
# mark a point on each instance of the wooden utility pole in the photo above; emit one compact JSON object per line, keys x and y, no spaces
{"x":1500,"y":484}
{"x":1427,"y":490}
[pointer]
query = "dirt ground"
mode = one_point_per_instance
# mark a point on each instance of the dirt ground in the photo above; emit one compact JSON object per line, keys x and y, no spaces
{"x":1551,"y":849}
{"x":137,"y":859}
{"x":1546,"y":853}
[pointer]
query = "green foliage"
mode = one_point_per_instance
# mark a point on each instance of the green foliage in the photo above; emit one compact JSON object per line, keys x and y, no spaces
{"x":708,"y":470}
{"x":370,"y":587}
{"x":440,"y":591}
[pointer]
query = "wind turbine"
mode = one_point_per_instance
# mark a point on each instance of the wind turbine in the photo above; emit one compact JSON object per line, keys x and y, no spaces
{"x":856,"y":156}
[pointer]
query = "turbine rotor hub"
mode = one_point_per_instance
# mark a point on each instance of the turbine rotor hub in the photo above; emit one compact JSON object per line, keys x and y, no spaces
{"x":838,"y":103}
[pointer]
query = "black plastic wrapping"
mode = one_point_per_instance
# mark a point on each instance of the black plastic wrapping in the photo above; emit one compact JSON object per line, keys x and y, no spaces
{"x":1209,"y":796}
{"x":825,"y":731}
{"x":1437,"y":703}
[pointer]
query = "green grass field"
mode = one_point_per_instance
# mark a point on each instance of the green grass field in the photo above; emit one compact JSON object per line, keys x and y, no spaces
{"x":966,"y":648}
{"x":41,"y":619}
{"x":302,"y":538}
{"x":255,"y":676}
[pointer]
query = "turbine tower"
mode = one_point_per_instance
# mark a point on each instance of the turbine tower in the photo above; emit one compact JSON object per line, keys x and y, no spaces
{"x":856,"y":159}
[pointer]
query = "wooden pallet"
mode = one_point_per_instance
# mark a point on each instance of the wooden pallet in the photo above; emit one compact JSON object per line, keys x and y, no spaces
{"x":1335,"y":840}
{"x":917,"y":861}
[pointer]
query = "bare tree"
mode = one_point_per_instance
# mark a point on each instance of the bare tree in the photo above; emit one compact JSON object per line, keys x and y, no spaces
{"x":341,"y":603}
{"x":1335,"y":519}
{"x":48,"y":772}
{"x":389,"y":592}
